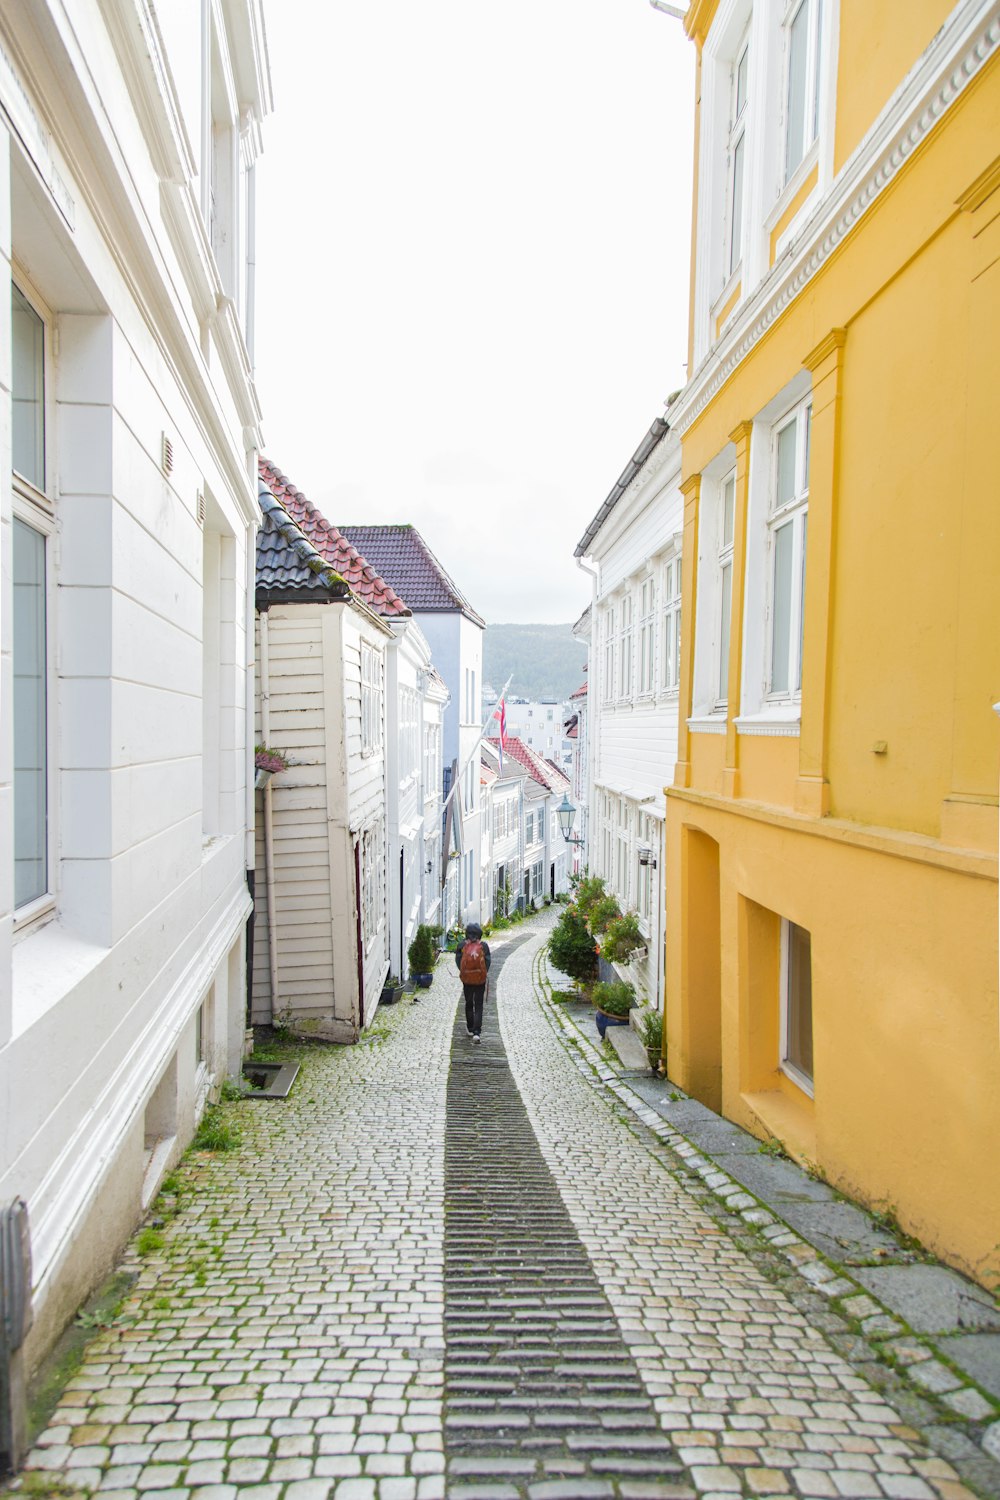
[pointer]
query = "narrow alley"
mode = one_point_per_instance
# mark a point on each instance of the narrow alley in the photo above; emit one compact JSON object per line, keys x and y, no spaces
{"x":442,"y":1270}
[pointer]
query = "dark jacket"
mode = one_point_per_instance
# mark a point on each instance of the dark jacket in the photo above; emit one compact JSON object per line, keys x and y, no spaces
{"x":486,"y":953}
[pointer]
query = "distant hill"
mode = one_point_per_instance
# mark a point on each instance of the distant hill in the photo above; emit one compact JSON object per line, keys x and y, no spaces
{"x":543,"y":661}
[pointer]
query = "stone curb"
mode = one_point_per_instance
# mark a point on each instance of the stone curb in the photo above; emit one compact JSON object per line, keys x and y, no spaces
{"x":929,"y":1375}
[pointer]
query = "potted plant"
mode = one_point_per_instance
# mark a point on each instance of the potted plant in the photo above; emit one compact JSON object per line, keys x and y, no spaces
{"x":602,"y":913}
{"x":266,"y":763}
{"x":421,"y":956}
{"x":392,"y":988}
{"x":651,"y":1031}
{"x":622,"y":938}
{"x":613,"y":1000}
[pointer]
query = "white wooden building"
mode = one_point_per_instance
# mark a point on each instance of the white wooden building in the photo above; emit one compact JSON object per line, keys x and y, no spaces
{"x":322,"y":933}
{"x":634,"y":543}
{"x":127,"y":519}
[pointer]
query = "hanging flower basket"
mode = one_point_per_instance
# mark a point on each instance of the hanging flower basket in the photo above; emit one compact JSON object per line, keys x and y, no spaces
{"x":266,"y":763}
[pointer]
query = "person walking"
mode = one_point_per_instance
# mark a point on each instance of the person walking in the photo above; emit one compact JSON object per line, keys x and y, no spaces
{"x":472,"y":959}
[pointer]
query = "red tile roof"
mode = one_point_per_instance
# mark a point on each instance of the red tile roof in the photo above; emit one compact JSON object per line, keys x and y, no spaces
{"x":581,"y":692}
{"x":331,"y":544}
{"x":540,"y":770}
{"x":400,"y":553}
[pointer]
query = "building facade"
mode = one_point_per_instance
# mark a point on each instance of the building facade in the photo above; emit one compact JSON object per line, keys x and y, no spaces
{"x":634,"y":547}
{"x":832,"y":824}
{"x":127,"y":521}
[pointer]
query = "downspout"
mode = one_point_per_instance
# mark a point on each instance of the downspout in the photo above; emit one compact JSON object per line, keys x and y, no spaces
{"x":250,"y":811}
{"x":265,"y":729}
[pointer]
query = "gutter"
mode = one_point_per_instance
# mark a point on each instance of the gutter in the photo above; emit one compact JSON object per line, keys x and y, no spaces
{"x":653,"y":437}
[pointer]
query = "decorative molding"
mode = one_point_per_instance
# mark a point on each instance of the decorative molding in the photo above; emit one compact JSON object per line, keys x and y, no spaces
{"x":741,"y":433}
{"x":714,"y":724}
{"x":835,"y":339}
{"x":957,"y":54}
{"x":977,"y":192}
{"x":138,"y":43}
{"x":773,"y":728}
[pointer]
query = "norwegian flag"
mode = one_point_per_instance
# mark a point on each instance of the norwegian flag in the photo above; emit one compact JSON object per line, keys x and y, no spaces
{"x":501,"y":714}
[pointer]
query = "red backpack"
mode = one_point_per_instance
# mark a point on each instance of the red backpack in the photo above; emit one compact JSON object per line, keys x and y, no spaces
{"x":472,"y":964}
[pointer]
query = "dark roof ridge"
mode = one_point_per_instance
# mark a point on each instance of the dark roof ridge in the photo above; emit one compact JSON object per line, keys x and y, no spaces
{"x":299,"y":543}
{"x":652,"y":440}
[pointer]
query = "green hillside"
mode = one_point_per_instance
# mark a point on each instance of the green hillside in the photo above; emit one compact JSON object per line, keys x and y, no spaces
{"x":543,"y":661}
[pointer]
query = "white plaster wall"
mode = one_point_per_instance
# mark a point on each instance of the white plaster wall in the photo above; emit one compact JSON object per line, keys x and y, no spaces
{"x":98,"y":1002}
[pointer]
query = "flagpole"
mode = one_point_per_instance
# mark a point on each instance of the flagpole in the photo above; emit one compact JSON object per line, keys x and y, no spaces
{"x":475,"y":749}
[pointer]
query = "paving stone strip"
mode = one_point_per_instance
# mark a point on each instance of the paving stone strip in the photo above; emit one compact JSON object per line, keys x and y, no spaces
{"x":755,"y":1399}
{"x":542,"y":1397}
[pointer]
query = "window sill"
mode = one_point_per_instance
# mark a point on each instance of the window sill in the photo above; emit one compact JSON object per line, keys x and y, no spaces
{"x":791,"y":189}
{"x":784,"y":723}
{"x":35,"y":914}
{"x":728,"y":299}
{"x":708,"y":724}
{"x":788,"y":1116}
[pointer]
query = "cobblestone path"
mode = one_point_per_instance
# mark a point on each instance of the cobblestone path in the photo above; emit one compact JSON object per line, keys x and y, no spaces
{"x":539,"y":1384}
{"x":405,"y":1288}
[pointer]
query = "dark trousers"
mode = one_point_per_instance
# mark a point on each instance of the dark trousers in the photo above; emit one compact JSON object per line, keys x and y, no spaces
{"x":475,"y":995}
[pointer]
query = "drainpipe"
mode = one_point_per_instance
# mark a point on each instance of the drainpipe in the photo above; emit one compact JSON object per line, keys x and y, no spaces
{"x":592,"y":718}
{"x":265,"y":729}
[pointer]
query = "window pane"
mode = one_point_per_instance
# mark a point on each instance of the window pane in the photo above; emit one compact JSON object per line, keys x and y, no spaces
{"x":798,"y":999}
{"x":781,"y":615}
{"x":727,"y":598}
{"x":798,"y":67}
{"x":736,"y":242}
{"x":728,"y":510}
{"x":30,"y":759}
{"x":27,"y":377}
{"x":742,"y":68}
{"x":785,"y":489}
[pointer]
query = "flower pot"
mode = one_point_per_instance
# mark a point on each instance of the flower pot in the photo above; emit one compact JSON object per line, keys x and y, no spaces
{"x":390,"y":994}
{"x":261,"y":779}
{"x":424,"y":981}
{"x":604,"y":1020}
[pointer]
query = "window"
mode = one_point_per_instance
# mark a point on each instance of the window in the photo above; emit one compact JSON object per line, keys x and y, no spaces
{"x":796,"y":1004}
{"x":372,"y":881}
{"x":670,"y":651}
{"x":737,"y":154}
{"x":32,"y":526}
{"x":432,"y":760}
{"x":622,"y":871}
{"x":371,"y":699}
{"x":409,"y":714}
{"x":529,"y":829}
{"x":727,"y":514}
{"x":537,"y":880}
{"x":787,"y":521}
{"x":647,"y":635}
{"x":802,"y":49}
{"x":608,"y":683}
{"x":645,"y":872}
{"x":625,"y":649}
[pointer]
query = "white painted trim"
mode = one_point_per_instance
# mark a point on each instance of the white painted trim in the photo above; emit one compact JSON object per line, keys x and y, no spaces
{"x":959,"y":51}
{"x":90,"y":1151}
{"x":709,"y":724}
{"x":777,"y":728}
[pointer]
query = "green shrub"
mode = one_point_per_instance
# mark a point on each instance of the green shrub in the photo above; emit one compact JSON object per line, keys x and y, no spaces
{"x":621,"y":938}
{"x":589,"y":888}
{"x":603,"y":911}
{"x":420,"y":953}
{"x":615,"y":998}
{"x":571,"y":947}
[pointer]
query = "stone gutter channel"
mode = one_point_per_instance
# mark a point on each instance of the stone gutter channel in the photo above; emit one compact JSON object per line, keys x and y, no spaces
{"x":915,"y":1329}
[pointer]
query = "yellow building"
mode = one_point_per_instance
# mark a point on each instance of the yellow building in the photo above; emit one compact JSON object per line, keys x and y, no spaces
{"x":832,"y":827}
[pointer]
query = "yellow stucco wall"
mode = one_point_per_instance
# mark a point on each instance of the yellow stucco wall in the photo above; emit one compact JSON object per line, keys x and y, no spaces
{"x":886,"y":857}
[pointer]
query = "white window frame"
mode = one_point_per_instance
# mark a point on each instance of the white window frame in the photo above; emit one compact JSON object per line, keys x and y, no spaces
{"x":647,"y":638}
{"x":372,"y":881}
{"x":371,"y":699}
{"x":610,"y":643}
{"x":625,"y":647}
{"x":35,"y":508}
{"x":670,"y":625}
{"x":793,"y":512}
{"x":812,"y":84}
{"x":803,"y":1080}
{"x":737,"y":143}
{"x":724,"y":602}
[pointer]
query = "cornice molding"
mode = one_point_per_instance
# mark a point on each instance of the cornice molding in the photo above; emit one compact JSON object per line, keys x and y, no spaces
{"x":138,"y":43}
{"x":691,"y":486}
{"x":741,"y":433}
{"x":834,"y":341}
{"x":958,"y":53}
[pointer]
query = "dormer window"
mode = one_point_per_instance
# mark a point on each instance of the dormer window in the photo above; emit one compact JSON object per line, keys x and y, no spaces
{"x":802,"y":47}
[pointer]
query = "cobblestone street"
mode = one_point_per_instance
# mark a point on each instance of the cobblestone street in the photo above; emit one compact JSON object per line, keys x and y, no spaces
{"x":449,"y":1270}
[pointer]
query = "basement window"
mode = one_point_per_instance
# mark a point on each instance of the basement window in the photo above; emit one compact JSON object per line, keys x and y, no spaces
{"x":796,"y":1005}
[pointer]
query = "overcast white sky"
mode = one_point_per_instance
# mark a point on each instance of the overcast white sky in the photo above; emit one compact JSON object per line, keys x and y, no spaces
{"x":473,"y":241}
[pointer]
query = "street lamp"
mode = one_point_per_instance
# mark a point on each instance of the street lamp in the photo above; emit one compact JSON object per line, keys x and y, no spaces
{"x":566,"y":812}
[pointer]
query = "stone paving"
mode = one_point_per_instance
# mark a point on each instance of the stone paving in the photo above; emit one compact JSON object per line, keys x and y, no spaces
{"x":303,"y":1330}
